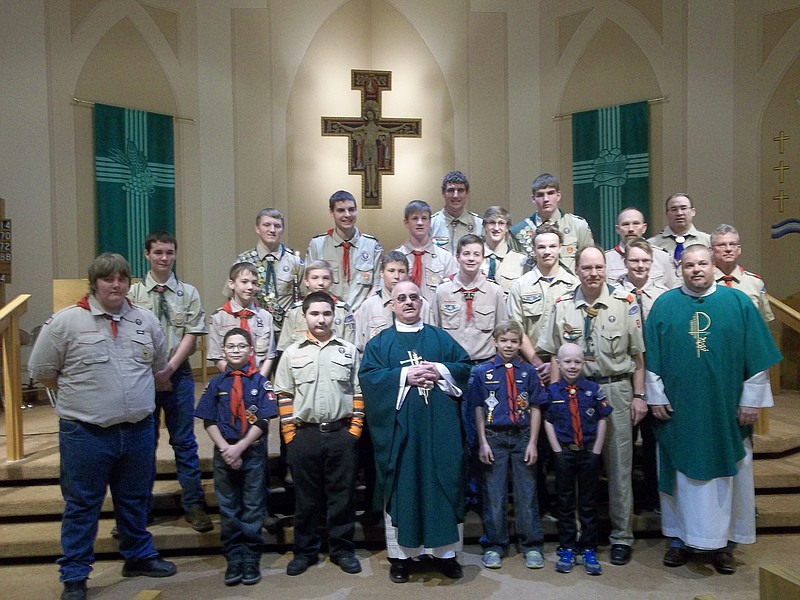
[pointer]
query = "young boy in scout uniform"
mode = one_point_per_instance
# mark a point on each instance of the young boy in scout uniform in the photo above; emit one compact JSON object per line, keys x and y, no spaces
{"x":454,"y":221}
{"x":177,"y":306}
{"x":236,"y":408}
{"x":322,"y":414}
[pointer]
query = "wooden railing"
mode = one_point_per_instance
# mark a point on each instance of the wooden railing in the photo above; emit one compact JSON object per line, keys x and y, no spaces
{"x":785,"y":315}
{"x":12,"y":385}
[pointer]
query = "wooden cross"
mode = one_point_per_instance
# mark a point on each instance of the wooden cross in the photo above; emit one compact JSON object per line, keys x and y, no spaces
{"x":370,"y":150}
{"x":780,"y":139}
{"x":780,"y":168}
{"x":780,"y":198}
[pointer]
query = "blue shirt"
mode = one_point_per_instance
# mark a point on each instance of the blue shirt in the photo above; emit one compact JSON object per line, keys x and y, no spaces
{"x":592,"y":406}
{"x":214,"y":405}
{"x":488,"y":385}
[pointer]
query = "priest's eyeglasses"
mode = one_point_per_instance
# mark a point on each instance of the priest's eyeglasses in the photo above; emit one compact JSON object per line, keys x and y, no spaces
{"x":413,"y":297}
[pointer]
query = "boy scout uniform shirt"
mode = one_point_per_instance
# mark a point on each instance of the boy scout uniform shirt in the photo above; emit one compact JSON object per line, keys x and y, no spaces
{"x":279,"y":294}
{"x":749,"y":283}
{"x":260,"y":330}
{"x":102,"y":379}
{"x":489,"y":390}
{"x":666,"y":240}
{"x":646,"y":297}
{"x":592,"y":406}
{"x":615,"y":336}
{"x":322,"y":378}
{"x":509,"y":265}
{"x":533,"y":295}
{"x":295,"y":326}
{"x":446,"y":229}
{"x":488,"y":309}
{"x":662,"y":270}
{"x":365,"y":264}
{"x":438,"y":264}
{"x":375,"y":315}
{"x":184,"y":313}
{"x":575,"y":230}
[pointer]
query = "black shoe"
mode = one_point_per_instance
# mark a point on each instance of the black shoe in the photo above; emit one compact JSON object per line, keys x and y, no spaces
{"x":676,"y":557}
{"x":300,"y":563}
{"x":198,"y":519}
{"x":74,"y":590}
{"x":348,"y":563}
{"x":155,"y":566}
{"x":621,"y":554}
{"x":400,"y":571}
{"x":272,"y":524}
{"x":724,"y":563}
{"x":371,"y":518}
{"x":233,"y":574}
{"x":449,"y":567}
{"x":251,"y":573}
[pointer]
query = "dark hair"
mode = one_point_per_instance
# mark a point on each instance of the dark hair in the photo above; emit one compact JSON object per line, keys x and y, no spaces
{"x":239,"y":267}
{"x":237,"y":331}
{"x":165,"y":237}
{"x":545,"y":180}
{"x":468,"y":239}
{"x":548,"y":228}
{"x":394,"y":256}
{"x":106,"y":265}
{"x":270,"y":212}
{"x":416,"y":206}
{"x":455,"y":177}
{"x":318,"y":297}
{"x":675,"y":195}
{"x":341,"y":196}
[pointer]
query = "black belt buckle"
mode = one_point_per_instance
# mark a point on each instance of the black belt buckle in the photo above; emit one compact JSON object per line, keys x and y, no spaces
{"x":330,"y":426}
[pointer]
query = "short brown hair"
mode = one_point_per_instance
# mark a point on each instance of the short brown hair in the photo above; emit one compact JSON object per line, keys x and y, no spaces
{"x":105,"y":265}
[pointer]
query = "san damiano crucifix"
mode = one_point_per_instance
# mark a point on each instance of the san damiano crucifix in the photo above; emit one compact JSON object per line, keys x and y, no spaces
{"x":370,"y":149}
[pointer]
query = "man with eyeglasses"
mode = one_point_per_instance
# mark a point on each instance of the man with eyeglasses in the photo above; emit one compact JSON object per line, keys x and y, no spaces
{"x":546,"y":196}
{"x":454,"y":221}
{"x":726,"y":248}
{"x":680,"y":232}
{"x":412,"y":376}
{"x":607,"y":323}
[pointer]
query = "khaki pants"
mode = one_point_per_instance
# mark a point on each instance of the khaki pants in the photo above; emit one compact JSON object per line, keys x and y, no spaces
{"x":618,"y":458}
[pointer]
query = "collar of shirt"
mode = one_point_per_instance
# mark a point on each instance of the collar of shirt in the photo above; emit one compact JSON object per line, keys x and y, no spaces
{"x":708,"y":292}
{"x":647,"y":289}
{"x":236,"y":307}
{"x":737,"y":273}
{"x":498,"y":362}
{"x":97,"y":310}
{"x":310,"y":339}
{"x":537,"y":219}
{"x":150,"y":282}
{"x":404,"y":328}
{"x":558,"y":277}
{"x":690,"y":233}
{"x":479,"y":282}
{"x":581,"y":383}
{"x":339,"y":240}
{"x":429,"y":247}
{"x":604,"y":298}
{"x":263,"y":251}
{"x":500,"y":252}
{"x":449,"y":219}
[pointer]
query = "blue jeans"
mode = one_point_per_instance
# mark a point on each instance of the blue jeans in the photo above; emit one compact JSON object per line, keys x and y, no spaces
{"x":241,"y":497}
{"x":508,"y":447}
{"x":93,"y":458}
{"x":581,"y":467}
{"x":178,"y":407}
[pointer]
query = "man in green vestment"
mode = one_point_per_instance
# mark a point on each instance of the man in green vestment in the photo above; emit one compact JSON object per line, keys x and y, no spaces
{"x":708,"y":351}
{"x":412,"y":376}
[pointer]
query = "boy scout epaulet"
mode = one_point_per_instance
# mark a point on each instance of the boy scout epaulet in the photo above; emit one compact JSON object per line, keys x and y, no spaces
{"x":297,"y":304}
{"x":216,"y":311}
{"x":570,"y":295}
{"x":756,"y":275}
{"x":322,"y":235}
{"x":621,"y":293}
{"x":658,"y":249}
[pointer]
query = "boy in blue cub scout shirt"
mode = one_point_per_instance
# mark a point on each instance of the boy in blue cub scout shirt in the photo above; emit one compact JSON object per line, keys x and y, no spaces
{"x":236,"y":408}
{"x":504,"y":395}
{"x":576,"y":428}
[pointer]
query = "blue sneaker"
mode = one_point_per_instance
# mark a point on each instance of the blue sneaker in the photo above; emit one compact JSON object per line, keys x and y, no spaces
{"x":566,"y":560}
{"x":492,"y":560}
{"x":534,"y":559}
{"x":590,"y":562}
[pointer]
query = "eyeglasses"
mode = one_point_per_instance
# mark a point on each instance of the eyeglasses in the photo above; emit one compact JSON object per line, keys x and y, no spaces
{"x":402,"y":298}
{"x":726,"y":245}
{"x":498,"y":223}
{"x":232,"y":347}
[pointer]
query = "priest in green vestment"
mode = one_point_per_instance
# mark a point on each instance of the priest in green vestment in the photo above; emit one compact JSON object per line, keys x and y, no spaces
{"x":708,"y":351}
{"x":412,"y":376}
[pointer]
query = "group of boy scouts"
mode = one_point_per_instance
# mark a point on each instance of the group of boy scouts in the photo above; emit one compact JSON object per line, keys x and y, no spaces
{"x":454,"y":351}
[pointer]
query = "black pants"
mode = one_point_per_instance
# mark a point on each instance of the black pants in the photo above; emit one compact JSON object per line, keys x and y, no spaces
{"x":324,"y":470}
{"x":581,"y":467}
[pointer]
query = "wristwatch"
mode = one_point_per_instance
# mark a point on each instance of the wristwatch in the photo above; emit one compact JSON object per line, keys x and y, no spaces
{"x":640,"y":396}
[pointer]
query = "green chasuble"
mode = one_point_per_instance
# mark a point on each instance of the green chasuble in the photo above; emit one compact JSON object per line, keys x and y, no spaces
{"x":419,"y":449}
{"x":704,"y":349}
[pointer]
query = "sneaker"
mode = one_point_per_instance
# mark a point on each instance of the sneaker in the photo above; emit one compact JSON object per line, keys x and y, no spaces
{"x":251,"y":573}
{"x":590,"y":562}
{"x":233,"y":574}
{"x":566,"y":560}
{"x":534,"y":559}
{"x":155,"y":566}
{"x":198,"y":519}
{"x":74,"y":590}
{"x":492,"y":560}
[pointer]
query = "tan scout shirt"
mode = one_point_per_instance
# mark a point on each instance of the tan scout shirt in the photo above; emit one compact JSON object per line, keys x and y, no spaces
{"x":666,"y":240}
{"x":752,"y":285}
{"x":614,"y":338}
{"x":446,"y":230}
{"x":365,"y":264}
{"x":533,"y":295}
{"x":322,"y":378}
{"x":488,"y":309}
{"x":575,"y":229}
{"x":662,"y":269}
{"x":439,"y":264}
{"x":375,"y":315}
{"x":102,"y":379}
{"x":295,"y":325}
{"x":648,"y":294}
{"x":509,"y":265}
{"x":260,"y":330}
{"x":184,"y":312}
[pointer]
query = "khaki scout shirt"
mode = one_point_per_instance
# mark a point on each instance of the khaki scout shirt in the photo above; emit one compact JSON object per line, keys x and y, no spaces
{"x":651,"y":290}
{"x":260,"y":330}
{"x":185,"y":314}
{"x":365,"y":264}
{"x":574,"y":228}
{"x":295,"y":326}
{"x":666,"y":240}
{"x":375,"y":315}
{"x":752,"y":285}
{"x":509,"y":265}
{"x":438,"y":263}
{"x":488,"y":309}
{"x":322,"y":378}
{"x":615,"y":335}
{"x":532,"y":296}
{"x":446,"y":229}
{"x":662,"y":269}
{"x":102,"y":379}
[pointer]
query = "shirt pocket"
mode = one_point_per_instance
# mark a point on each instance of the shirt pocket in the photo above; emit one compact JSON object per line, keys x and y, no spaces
{"x":342,"y":372}
{"x":483,"y":318}
{"x":376,"y":325}
{"x":142,"y":347}
{"x":450,"y":314}
{"x":304,"y":369}
{"x":611,"y":341}
{"x":364,"y":274}
{"x":91,"y":349}
{"x":532,"y":304}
